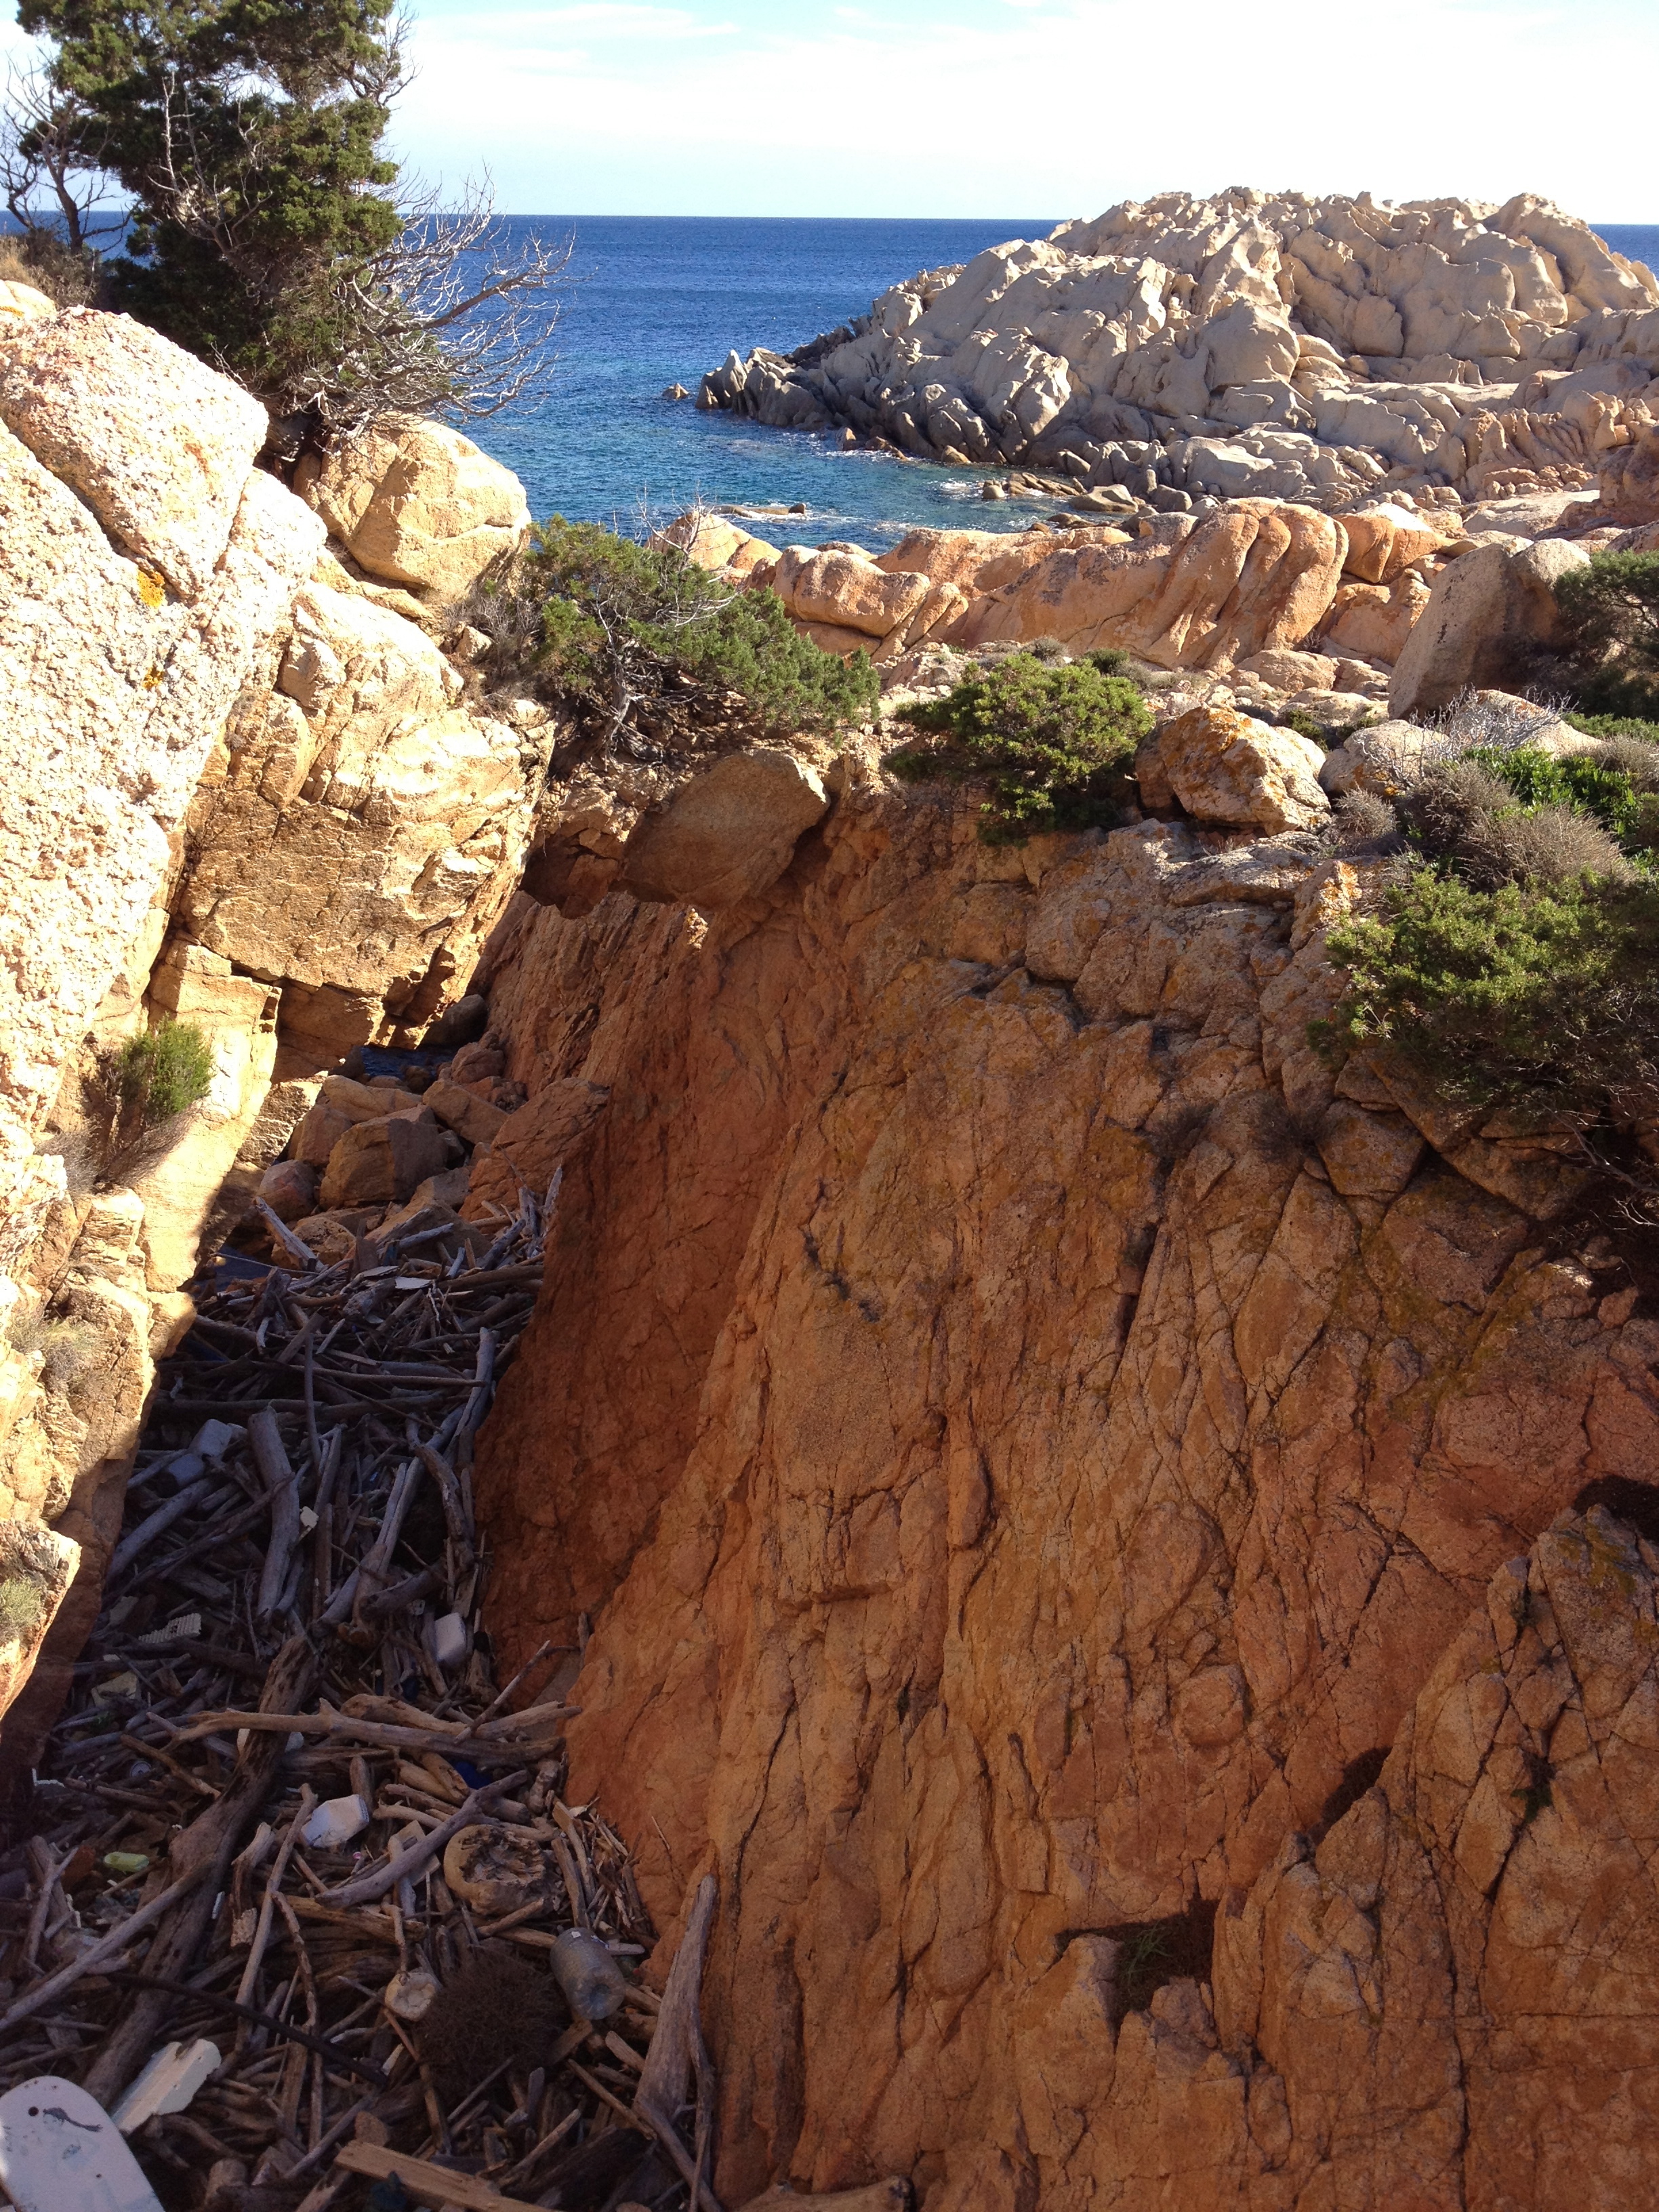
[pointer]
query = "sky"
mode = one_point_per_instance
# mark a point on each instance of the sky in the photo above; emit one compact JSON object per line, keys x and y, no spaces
{"x":987,"y":108}
{"x":1041,"y":107}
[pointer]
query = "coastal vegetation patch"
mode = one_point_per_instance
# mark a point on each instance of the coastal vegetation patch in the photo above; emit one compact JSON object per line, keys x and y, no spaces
{"x":647,"y":650}
{"x":1054,"y":742}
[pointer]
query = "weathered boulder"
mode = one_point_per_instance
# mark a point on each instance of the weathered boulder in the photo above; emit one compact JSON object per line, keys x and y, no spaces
{"x":1373,"y":620}
{"x":1227,"y":767}
{"x":289,"y":1187}
{"x":1384,"y":540}
{"x":713,"y":542}
{"x":1491,"y":615}
{"x":164,"y":477}
{"x":365,"y":1101}
{"x":358,"y":834}
{"x":532,"y":1146}
{"x":380,"y":1162}
{"x":422,"y":506}
{"x":317,"y":1131}
{"x":470,"y":1116}
{"x":1286,"y":669}
{"x":726,"y":834}
{"x":22,"y":303}
{"x":1630,"y":480}
{"x":848,"y":590}
{"x":1383,"y":759}
{"x":973,"y":559}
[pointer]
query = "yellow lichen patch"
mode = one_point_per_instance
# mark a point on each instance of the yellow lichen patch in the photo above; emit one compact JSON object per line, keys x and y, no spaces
{"x":152,"y":589}
{"x":153,"y":679}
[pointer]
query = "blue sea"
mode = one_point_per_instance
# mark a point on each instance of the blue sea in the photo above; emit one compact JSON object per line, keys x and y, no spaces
{"x":657,"y":301}
{"x":653,"y":303}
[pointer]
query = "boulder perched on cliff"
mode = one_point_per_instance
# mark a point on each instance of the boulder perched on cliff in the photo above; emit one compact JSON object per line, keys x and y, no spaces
{"x":726,"y":834}
{"x":1491,"y":615}
{"x":1226,"y":766}
{"x":422,"y":507}
{"x":1266,"y":344}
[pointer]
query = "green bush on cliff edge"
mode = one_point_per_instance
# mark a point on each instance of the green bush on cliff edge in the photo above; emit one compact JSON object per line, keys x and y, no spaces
{"x":1056,"y":743}
{"x":649,"y":648}
{"x":1542,"y":998}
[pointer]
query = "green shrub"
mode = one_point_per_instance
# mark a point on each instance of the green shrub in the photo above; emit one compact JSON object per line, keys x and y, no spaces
{"x":1544,"y":998}
{"x":161,"y":1074}
{"x":1610,"y":613}
{"x":1512,"y":815}
{"x":638,"y":632}
{"x":1055,"y":742}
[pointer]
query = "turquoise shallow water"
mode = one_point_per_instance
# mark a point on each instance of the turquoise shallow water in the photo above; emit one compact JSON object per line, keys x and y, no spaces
{"x":657,"y":300}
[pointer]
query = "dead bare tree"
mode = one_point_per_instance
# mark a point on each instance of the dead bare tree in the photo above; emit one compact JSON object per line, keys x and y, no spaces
{"x":453,"y":317}
{"x":54,"y":185}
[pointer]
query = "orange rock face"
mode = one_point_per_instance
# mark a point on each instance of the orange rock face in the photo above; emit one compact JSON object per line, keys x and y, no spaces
{"x":1032,"y":1444}
{"x":1256,"y":576}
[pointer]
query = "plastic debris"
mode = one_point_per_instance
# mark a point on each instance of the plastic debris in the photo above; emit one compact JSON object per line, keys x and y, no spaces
{"x":61,"y":2152}
{"x":591,"y":1979}
{"x":126,"y":1863}
{"x":167,"y":2084}
{"x":187,"y":1624}
{"x":449,"y":1640}
{"x":493,"y":1868}
{"x":117,"y":1686}
{"x":214,"y":1438}
{"x":335,"y":1822}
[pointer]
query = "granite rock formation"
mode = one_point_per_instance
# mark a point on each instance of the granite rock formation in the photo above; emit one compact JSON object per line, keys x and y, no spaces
{"x":1270,"y":345}
{"x":1033,"y":1443}
{"x":240,"y":790}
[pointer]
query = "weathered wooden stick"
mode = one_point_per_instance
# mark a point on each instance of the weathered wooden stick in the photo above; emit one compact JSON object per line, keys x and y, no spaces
{"x":290,"y":1244}
{"x":156,"y":1523}
{"x":89,"y":1961}
{"x":280,"y":1480}
{"x":677,"y":2043}
{"x":205,"y":1848}
{"x":436,"y":2185}
{"x":368,"y":1887}
{"x":379,"y":1735}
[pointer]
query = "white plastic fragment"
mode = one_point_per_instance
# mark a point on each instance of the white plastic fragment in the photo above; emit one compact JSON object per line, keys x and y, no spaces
{"x":185,"y":1467}
{"x":335,"y":1822}
{"x":449,"y":1640}
{"x":214,"y":1438}
{"x":167,"y":2084}
{"x":61,"y":2152}
{"x":187,"y":1624}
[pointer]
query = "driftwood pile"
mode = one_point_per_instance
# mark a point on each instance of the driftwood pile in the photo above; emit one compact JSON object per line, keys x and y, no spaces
{"x":289,"y":1813}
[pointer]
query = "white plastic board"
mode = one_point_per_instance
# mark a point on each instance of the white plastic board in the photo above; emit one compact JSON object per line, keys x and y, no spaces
{"x":61,"y":2152}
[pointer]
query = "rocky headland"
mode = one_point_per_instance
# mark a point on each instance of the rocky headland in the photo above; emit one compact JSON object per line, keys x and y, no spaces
{"x":1256,"y":344}
{"x":1126,"y":1541}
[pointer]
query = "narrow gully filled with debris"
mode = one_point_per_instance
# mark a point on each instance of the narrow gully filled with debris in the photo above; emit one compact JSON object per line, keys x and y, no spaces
{"x":305,"y":1910}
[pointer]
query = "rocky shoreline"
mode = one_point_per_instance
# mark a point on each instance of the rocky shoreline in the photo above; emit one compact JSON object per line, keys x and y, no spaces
{"x":1254,"y":344}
